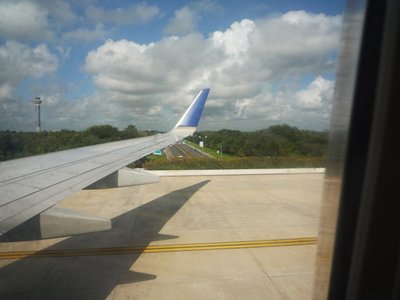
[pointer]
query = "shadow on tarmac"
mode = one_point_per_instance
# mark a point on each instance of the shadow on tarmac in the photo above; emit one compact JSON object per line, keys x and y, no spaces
{"x":94,"y":277}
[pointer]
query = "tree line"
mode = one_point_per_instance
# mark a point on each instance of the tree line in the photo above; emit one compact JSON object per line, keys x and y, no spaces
{"x":19,"y":144}
{"x":279,"y":140}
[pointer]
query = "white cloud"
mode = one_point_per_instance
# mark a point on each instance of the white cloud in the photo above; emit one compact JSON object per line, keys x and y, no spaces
{"x":28,"y":20}
{"x":23,"y":20}
{"x":64,"y":52}
{"x":59,"y":10}
{"x":130,"y":68}
{"x":18,"y":61}
{"x":296,"y":41}
{"x":316,"y":95}
{"x":5,"y":90}
{"x":235,"y":40}
{"x":207,"y":6}
{"x":254,"y":69}
{"x":87,"y":35}
{"x":241,"y":106}
{"x":186,"y":18}
{"x":134,"y":14}
{"x":240,"y":64}
{"x":184,"y":21}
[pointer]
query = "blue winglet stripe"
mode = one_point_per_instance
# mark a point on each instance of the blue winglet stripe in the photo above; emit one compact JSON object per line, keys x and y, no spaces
{"x":192,"y":116}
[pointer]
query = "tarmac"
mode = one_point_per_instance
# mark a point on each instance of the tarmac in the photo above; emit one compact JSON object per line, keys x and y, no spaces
{"x":208,"y":236}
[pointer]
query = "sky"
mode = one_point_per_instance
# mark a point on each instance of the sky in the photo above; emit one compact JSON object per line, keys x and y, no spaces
{"x":122,"y":62}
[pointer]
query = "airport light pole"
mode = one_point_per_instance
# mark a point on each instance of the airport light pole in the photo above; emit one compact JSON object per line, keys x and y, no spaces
{"x":37,"y":102}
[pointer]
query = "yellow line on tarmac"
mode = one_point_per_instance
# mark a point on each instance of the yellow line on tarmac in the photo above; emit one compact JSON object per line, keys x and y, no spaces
{"x":160,"y":248}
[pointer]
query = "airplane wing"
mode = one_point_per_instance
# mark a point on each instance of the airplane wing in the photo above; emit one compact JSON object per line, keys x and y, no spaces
{"x":32,"y":186}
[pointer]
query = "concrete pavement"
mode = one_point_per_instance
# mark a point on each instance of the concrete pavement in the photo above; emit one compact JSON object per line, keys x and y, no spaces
{"x":180,"y":210}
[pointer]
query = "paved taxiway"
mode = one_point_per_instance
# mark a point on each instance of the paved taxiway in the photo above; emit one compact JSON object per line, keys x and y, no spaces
{"x":186,"y":237}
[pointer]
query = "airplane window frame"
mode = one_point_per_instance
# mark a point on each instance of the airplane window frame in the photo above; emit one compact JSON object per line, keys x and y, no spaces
{"x":358,"y":252}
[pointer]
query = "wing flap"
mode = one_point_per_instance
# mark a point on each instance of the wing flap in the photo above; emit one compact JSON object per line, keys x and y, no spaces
{"x":125,"y":177}
{"x":58,"y":221}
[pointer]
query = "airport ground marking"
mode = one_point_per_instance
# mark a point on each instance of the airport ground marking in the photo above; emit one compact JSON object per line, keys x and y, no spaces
{"x":160,"y":248}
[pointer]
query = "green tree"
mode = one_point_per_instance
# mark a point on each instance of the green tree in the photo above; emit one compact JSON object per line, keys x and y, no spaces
{"x":104,"y":131}
{"x":130,"y":132}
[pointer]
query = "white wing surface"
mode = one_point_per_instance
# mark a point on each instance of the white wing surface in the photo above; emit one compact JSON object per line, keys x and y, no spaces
{"x":33,"y":185}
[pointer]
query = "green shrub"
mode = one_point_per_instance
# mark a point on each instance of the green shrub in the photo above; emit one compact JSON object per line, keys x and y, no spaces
{"x":236,"y":163}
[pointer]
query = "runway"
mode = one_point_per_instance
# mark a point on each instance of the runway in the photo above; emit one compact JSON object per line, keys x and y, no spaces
{"x":186,"y":237}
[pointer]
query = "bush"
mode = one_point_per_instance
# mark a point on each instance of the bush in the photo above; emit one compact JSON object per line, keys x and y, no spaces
{"x":236,"y":163}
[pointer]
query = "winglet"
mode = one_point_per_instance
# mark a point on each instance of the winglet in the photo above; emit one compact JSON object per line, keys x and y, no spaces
{"x":192,"y":115}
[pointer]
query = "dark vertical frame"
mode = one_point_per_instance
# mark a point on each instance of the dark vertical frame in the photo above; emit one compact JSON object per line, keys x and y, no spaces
{"x":367,"y":243}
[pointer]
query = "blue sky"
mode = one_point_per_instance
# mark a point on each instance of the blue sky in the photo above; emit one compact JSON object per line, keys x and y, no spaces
{"x":142,"y":62}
